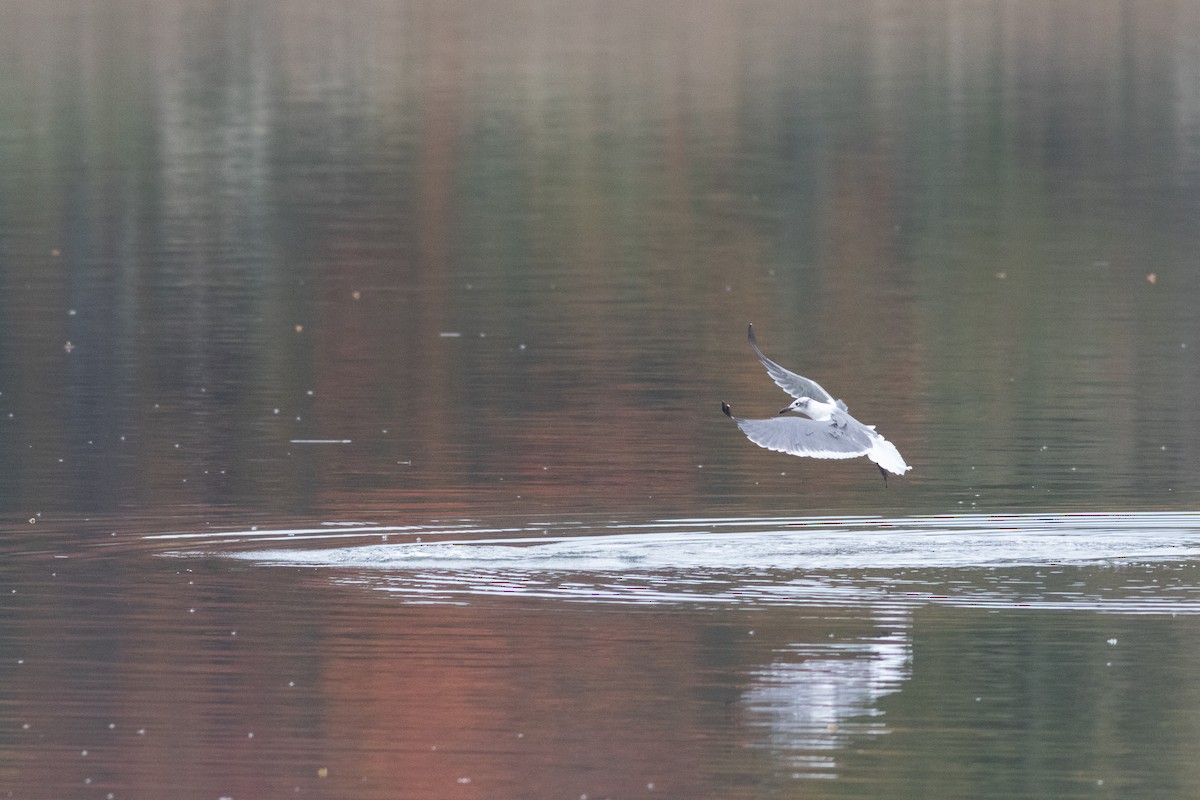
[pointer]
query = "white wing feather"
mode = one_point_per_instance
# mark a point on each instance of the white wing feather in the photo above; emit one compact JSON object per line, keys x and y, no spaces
{"x":806,"y":437}
{"x":796,"y":385}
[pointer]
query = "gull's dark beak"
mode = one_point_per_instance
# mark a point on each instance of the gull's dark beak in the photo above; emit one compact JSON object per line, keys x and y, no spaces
{"x":784,"y":411}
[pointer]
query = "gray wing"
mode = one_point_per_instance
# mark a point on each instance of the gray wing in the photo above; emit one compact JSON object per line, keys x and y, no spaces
{"x":796,"y":385}
{"x":832,"y":438}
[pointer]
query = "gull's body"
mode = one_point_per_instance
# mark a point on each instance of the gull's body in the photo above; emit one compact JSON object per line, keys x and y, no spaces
{"x":828,"y":432}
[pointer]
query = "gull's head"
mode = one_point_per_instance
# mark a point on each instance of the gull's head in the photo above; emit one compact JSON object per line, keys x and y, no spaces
{"x":799,"y":405}
{"x":813,"y":409}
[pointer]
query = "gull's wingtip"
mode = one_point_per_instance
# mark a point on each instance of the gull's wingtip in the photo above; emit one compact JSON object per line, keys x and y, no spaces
{"x":750,"y":333}
{"x":725,"y":408}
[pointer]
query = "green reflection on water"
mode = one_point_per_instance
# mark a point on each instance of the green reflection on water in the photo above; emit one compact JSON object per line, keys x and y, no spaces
{"x":948,"y":215}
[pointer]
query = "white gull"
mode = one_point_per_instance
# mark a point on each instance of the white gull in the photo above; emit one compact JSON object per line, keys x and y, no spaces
{"x":828,"y":432}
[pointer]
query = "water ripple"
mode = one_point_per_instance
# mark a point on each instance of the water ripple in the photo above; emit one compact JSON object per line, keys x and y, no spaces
{"x":1121,"y":563}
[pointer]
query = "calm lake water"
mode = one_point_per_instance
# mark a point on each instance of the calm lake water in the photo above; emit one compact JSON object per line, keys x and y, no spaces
{"x":360,"y":381}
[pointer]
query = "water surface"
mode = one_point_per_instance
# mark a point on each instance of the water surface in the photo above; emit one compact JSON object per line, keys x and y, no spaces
{"x":360,"y":383}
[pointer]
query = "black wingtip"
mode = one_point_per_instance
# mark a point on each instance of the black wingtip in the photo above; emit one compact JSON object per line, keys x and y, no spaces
{"x":725,"y":408}
{"x":883,"y":472}
{"x":750,"y":333}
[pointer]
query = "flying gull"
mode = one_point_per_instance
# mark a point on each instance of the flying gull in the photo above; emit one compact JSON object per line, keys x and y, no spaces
{"x":828,"y":432}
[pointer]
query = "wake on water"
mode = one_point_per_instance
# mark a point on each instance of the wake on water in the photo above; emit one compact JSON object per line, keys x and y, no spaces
{"x":1055,"y":561}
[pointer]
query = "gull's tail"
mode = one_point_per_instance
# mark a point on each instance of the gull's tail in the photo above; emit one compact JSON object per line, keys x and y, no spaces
{"x":885,"y":454}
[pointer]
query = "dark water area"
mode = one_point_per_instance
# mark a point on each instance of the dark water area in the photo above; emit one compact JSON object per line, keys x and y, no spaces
{"x":360,"y":381}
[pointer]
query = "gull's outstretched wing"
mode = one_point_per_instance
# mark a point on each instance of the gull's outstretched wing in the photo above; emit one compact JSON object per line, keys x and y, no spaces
{"x":796,"y":385}
{"x":832,"y":438}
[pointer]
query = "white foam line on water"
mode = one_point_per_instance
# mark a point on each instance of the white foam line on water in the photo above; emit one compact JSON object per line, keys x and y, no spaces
{"x":743,"y":522}
{"x":902,"y":545}
{"x":267,"y":534}
{"x":825,"y":592}
{"x":886,"y":564}
{"x":992,"y":521}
